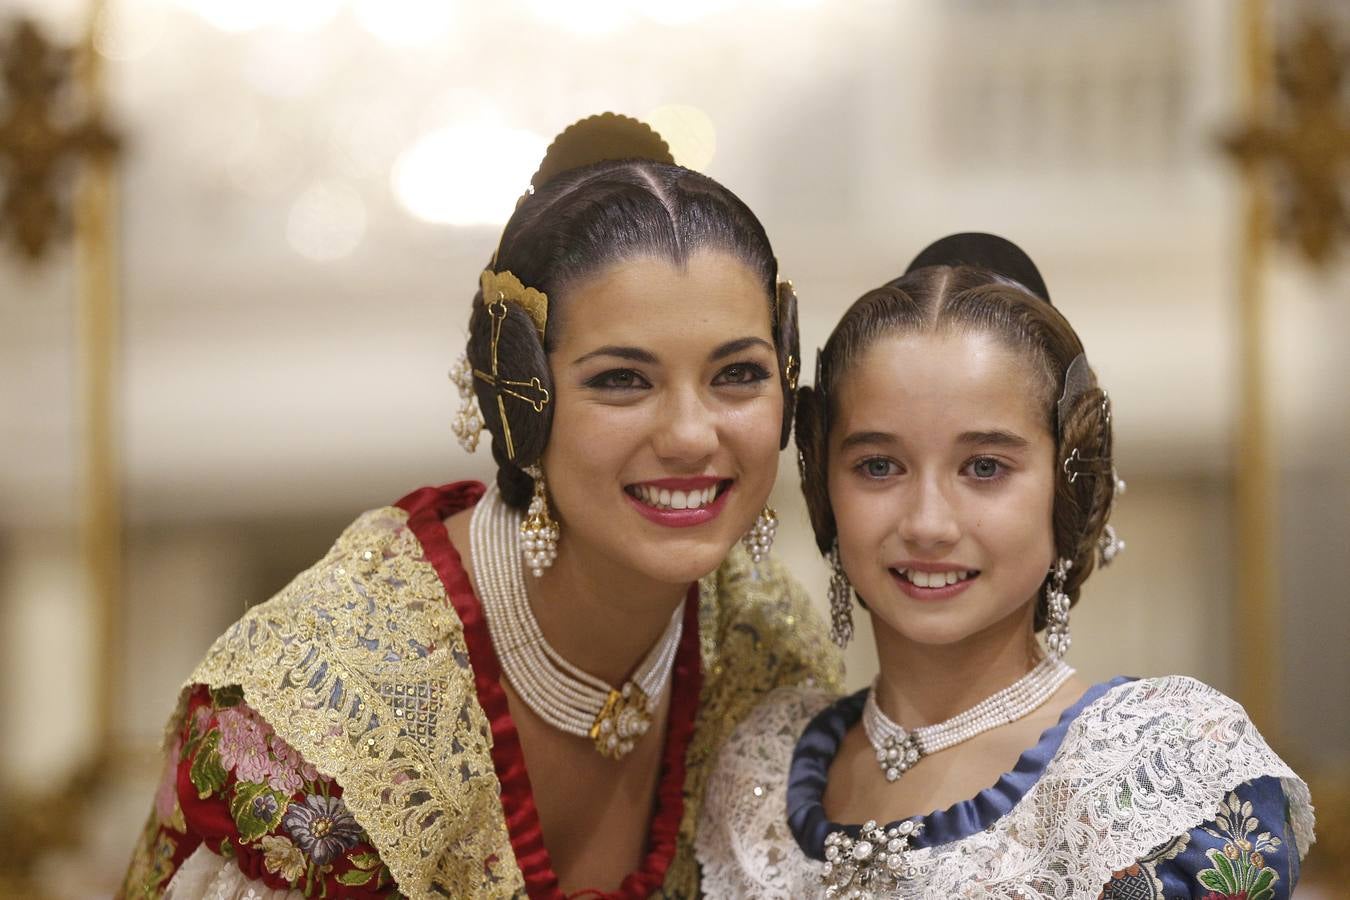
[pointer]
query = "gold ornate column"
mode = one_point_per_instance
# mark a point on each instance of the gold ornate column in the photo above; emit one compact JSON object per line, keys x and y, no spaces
{"x":100,"y":341}
{"x":1292,"y":150}
{"x":1254,"y":481}
{"x":1295,"y":154}
{"x":43,"y":154}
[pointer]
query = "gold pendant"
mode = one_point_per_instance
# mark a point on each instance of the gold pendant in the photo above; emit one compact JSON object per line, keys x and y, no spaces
{"x":626,"y":716}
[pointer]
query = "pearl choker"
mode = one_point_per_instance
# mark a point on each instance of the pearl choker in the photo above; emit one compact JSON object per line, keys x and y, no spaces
{"x":561,"y":694}
{"x":898,"y":750}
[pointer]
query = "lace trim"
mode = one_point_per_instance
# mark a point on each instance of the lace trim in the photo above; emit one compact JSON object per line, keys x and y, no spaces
{"x":1146,"y":762}
{"x":207,"y":876}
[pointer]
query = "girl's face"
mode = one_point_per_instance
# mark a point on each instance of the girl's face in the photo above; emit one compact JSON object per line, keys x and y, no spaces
{"x":664,"y":444}
{"x":941,"y":478}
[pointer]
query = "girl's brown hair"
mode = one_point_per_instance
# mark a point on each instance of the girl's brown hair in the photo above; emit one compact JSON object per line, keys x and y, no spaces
{"x":971,"y":299}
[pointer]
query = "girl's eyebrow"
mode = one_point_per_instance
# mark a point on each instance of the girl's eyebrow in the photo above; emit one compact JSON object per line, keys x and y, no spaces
{"x":632,"y":354}
{"x":861,"y":438}
{"x":994,"y":438}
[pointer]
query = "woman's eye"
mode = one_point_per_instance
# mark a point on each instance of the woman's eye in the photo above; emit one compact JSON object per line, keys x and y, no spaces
{"x":741,"y":373}
{"x":617,"y":379}
{"x":878,"y":468}
{"x":985,"y":468}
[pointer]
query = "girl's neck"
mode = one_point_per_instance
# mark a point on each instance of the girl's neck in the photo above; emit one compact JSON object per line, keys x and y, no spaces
{"x":923,"y":684}
{"x":602,"y":617}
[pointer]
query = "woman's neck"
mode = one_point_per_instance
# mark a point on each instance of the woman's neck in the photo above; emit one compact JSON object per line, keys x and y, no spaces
{"x":924,"y":684}
{"x":603,"y":618}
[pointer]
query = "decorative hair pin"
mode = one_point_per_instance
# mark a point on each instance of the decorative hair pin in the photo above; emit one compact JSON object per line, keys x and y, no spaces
{"x":1076,"y":464}
{"x":499,"y":289}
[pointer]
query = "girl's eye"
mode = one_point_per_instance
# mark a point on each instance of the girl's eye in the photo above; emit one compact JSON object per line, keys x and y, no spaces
{"x":617,"y":380}
{"x":878,"y":467}
{"x":741,"y":373}
{"x":985,"y":468}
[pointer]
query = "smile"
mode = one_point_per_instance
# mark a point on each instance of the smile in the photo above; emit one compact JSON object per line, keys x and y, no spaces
{"x":935,"y":579}
{"x":665,"y":498}
{"x":929,"y":586}
{"x":680,"y":502}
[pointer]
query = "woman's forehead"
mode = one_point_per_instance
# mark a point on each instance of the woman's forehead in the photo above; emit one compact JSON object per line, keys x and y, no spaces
{"x":650,"y":300}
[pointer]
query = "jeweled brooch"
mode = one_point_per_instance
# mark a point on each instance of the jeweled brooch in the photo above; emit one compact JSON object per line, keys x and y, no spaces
{"x":874,"y":862}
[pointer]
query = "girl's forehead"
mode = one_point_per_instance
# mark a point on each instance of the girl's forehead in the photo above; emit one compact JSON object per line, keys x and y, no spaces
{"x":940,"y":381}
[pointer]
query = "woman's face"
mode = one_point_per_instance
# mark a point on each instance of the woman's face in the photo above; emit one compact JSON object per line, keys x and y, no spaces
{"x":941,"y":478}
{"x":664,"y":444}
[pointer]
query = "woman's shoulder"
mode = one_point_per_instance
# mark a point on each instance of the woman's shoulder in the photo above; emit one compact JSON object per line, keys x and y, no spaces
{"x":758,"y":620}
{"x":361,"y":666}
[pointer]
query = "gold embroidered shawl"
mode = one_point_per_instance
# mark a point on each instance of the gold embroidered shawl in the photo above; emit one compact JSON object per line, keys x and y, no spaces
{"x":361,"y":665}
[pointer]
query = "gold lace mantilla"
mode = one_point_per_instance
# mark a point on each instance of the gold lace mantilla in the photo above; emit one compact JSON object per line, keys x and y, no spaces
{"x":361,"y":665}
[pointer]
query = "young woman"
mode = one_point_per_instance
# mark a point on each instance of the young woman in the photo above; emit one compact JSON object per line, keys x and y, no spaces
{"x":517,"y":690}
{"x":956,"y":458}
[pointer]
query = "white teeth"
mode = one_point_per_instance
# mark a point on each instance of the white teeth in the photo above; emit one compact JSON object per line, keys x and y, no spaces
{"x":666,"y":499}
{"x":934,"y":579}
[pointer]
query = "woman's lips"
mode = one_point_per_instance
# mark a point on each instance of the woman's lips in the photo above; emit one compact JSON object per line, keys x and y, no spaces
{"x":680,"y":502}
{"x":934,"y":585}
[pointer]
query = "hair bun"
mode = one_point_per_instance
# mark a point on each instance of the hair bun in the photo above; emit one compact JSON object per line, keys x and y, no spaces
{"x":598,"y":138}
{"x":988,"y":251}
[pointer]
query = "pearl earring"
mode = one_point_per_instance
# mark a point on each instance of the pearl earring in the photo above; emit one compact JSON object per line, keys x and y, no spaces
{"x":538,"y":532}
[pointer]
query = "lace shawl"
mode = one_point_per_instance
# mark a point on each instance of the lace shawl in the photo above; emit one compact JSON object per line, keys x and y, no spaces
{"x":360,"y":664}
{"x":1146,"y":762}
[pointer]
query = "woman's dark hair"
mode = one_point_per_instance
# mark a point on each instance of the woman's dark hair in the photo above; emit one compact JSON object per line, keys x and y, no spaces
{"x":970,"y":299}
{"x":576,"y":224}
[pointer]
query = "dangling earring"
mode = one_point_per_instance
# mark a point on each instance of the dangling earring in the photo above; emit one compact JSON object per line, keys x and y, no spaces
{"x":759,"y":539}
{"x":468,"y":424}
{"x":538,"y":531}
{"x":1057,"y":638}
{"x":841,"y":600}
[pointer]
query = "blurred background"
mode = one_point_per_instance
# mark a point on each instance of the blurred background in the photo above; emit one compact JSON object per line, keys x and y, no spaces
{"x":238,"y":240}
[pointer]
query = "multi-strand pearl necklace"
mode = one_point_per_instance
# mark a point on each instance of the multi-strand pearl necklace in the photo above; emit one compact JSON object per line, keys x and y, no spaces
{"x":561,"y":694}
{"x":898,"y":749}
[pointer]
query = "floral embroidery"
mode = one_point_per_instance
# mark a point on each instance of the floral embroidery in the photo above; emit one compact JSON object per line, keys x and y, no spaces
{"x":254,"y":799}
{"x":1238,"y":869}
{"x":283,"y":858}
{"x":322,"y":827}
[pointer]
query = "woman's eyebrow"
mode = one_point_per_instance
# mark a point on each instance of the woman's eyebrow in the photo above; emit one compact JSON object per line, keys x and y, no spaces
{"x":995,"y":438}
{"x":632,"y":354}
{"x":731,"y":348}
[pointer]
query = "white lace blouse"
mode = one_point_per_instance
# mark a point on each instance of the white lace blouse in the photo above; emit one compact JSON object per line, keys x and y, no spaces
{"x":1158,"y":787}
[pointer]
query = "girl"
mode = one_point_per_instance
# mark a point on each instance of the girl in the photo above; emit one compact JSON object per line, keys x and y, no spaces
{"x":957,"y":463}
{"x":416,"y":715}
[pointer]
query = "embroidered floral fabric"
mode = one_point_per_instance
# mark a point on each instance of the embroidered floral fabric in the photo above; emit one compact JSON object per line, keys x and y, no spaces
{"x":1159,"y":788}
{"x":348,"y":700}
{"x":245,"y":794}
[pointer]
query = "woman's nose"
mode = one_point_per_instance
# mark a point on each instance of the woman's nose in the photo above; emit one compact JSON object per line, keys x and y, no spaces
{"x":688,"y":428}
